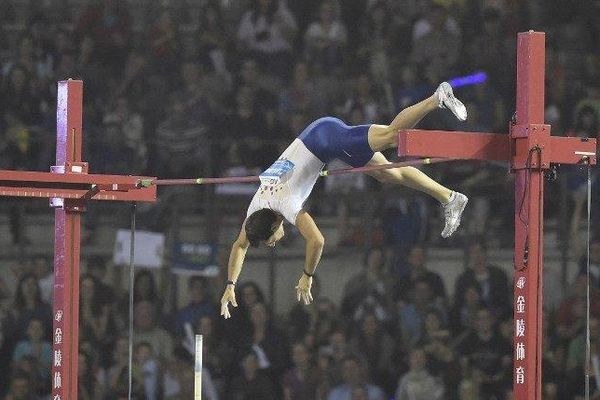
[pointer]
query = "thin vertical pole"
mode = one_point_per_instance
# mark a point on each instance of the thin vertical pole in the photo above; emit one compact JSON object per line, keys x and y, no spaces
{"x":198,"y":368}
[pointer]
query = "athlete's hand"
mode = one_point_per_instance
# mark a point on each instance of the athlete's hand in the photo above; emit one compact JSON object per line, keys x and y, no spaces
{"x":228,"y":297}
{"x":303,"y":289}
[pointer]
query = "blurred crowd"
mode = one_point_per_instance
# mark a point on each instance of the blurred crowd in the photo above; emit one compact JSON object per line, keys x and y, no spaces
{"x":181,"y":89}
{"x":396,"y":334}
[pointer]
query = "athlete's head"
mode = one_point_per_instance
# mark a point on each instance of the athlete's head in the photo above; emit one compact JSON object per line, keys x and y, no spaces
{"x":264,"y":226}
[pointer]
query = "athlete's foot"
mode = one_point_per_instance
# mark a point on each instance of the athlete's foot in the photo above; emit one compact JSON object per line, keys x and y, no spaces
{"x":453,"y":209}
{"x":446,"y":99}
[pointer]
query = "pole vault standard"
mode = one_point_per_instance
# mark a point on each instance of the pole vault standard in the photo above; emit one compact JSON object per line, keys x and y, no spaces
{"x":69,"y":187}
{"x":530,"y":150}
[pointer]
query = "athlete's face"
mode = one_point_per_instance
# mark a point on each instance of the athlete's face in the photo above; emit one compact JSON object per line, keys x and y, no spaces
{"x":276,"y":236}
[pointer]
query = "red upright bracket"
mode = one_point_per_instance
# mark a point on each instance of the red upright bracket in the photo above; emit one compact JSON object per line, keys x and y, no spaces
{"x":69,"y":186}
{"x":67,"y":235}
{"x":530,"y":150}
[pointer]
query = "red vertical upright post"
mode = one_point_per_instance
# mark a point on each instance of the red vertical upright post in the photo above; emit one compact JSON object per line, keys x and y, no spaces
{"x":66,"y":244}
{"x":528,"y":132}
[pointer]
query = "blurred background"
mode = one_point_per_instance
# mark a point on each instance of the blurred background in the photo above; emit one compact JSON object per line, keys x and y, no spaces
{"x":219,"y":88}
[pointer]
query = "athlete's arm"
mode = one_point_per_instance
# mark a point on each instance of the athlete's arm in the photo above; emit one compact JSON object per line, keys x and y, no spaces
{"x":234,"y":268}
{"x":314,"y":248}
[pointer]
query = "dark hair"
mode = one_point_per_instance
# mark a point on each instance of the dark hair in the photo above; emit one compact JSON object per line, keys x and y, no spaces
{"x":137,"y":296}
{"x":197,"y":279}
{"x":259,"y":225}
{"x":96,"y":302}
{"x":579,"y":121}
{"x":20,"y":296}
{"x":260,"y":297}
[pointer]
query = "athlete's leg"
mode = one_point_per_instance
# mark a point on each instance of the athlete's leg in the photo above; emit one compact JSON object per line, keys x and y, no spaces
{"x":454,"y":203}
{"x":383,"y":137}
{"x":410,"y":177}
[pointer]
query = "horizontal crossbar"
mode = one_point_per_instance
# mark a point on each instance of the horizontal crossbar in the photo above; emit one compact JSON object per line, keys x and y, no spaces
{"x":74,"y":186}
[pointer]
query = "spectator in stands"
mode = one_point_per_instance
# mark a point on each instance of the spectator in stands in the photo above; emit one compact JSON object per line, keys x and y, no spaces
{"x":89,"y":385}
{"x":436,"y":40}
{"x":109,"y":24}
{"x":268,"y":343}
{"x":30,"y":57}
{"x":368,"y":291}
{"x":300,"y":381}
{"x":36,"y":346}
{"x":44,"y":273}
{"x":147,"y":329}
{"x":326,"y":376}
{"x":248,"y":126}
{"x":97,"y":269}
{"x":126,"y":148}
{"x":587,"y":123}
{"x":147,"y":369}
{"x":144,"y":287}
{"x":27,"y":305}
{"x":592,"y":100}
{"x":256,"y":78}
{"x":131,"y":82}
{"x":302,"y":319}
{"x":353,"y":375}
{"x":594,"y":264}
{"x":165,"y":43}
{"x":241,"y":325}
{"x":217,"y":355}
{"x":326,"y":38}
{"x":97,"y":320}
{"x":364,"y":98}
{"x":571,"y":313}
{"x":205,"y":91}
{"x":487,"y":47}
{"x":178,"y":381}
{"x":576,"y":359}
{"x":91,"y":71}
{"x":410,"y":88}
{"x":489,"y":353}
{"x":412,"y":314}
{"x":301,"y":96}
{"x":267,"y":30}
{"x":181,"y":139}
{"x":374,"y":345}
{"x":416,"y":263}
{"x":20,"y":101}
{"x":337,"y":349}
{"x":491,"y":280}
{"x":21,"y":388}
{"x":437,"y":344}
{"x":198,"y":307}
{"x":117,"y":374}
{"x":418,"y":383}
{"x":463,"y":314}
{"x":252,"y":384}
{"x":381,"y":41}
{"x":213,"y":38}
{"x":325,"y":322}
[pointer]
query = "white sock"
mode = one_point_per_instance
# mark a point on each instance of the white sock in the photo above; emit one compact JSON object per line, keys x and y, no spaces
{"x":451,"y":198}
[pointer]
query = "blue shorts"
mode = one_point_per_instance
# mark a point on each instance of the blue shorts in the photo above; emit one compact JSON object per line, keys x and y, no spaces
{"x":330,"y":138}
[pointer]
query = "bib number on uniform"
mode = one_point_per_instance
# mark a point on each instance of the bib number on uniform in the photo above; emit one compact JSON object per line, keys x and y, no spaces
{"x":277,"y":173}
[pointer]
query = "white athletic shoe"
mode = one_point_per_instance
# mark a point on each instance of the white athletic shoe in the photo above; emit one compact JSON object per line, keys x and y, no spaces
{"x":447,"y":100}
{"x":453,"y":209}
